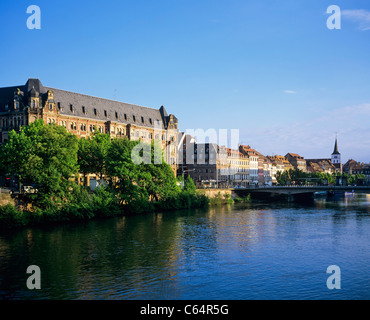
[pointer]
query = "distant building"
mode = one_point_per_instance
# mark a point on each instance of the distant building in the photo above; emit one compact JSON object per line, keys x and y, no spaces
{"x":255,"y":163}
{"x":354,"y":167}
{"x":269,"y":171}
{"x":200,"y":161}
{"x":336,"y":157}
{"x":320,"y":165}
{"x":298,"y":162}
{"x":236,"y":170}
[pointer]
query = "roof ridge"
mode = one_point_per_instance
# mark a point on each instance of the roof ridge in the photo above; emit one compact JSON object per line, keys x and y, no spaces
{"x":105,"y":99}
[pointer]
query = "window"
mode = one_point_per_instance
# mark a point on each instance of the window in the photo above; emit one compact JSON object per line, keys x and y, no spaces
{"x":50,"y":106}
{"x":83,"y":110}
{"x":150,"y":120}
{"x":116,"y":115}
{"x":125,"y":115}
{"x":142,"y":119}
{"x":95,"y":111}
{"x":134,"y":118}
{"x":33,"y":103}
{"x":105,"y":113}
{"x":71,"y":107}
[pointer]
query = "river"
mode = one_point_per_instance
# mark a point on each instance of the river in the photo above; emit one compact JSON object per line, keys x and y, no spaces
{"x":239,"y":252}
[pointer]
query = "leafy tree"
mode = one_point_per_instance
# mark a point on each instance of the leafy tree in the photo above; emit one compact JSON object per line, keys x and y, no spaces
{"x":190,"y":185}
{"x":93,"y":153}
{"x":44,"y":156}
{"x":122,"y":171}
{"x":283,"y":178}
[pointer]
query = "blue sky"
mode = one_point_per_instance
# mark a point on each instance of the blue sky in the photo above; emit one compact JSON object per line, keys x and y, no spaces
{"x":269,"y":68}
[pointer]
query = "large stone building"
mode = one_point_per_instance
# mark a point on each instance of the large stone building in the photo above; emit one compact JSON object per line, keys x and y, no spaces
{"x":81,"y":114}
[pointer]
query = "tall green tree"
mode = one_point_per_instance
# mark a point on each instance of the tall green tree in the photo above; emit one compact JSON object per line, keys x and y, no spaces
{"x":92,"y":153}
{"x":44,"y":156}
{"x":122,"y":171}
{"x":190,"y":185}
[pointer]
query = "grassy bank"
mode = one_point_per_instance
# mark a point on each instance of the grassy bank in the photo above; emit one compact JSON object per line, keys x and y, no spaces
{"x":103,"y":205}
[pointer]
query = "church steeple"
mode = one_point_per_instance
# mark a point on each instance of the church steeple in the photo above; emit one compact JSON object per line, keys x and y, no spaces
{"x":336,"y":147}
{"x":336,"y":157}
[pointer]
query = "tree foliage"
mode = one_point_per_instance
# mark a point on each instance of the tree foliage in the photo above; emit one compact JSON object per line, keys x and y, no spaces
{"x":51,"y":159}
{"x":44,"y":156}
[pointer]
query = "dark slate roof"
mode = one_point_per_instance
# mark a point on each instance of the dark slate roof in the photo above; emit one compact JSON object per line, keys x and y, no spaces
{"x":36,"y":84}
{"x":336,"y":147}
{"x":7,"y":96}
{"x":107,"y":110}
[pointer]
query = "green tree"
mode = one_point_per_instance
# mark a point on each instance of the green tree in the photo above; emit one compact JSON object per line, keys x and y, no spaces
{"x":283,"y":177}
{"x":93,"y":156}
{"x":122,"y":171}
{"x":45,"y":156}
{"x":190,"y":185}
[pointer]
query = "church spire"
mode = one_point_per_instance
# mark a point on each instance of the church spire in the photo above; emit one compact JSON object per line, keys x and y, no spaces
{"x":336,"y":147}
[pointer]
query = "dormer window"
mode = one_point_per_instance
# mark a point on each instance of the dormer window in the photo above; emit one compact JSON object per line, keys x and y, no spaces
{"x":150,"y":120}
{"x":71,"y":107}
{"x":142,"y":119}
{"x":33,"y":103}
{"x":16,"y":105}
{"x":50,"y":106}
{"x":125,"y":116}
{"x":95,"y":112}
{"x":105,"y":113}
{"x":116,"y":115}
{"x":83,"y":110}
{"x":134,"y":118}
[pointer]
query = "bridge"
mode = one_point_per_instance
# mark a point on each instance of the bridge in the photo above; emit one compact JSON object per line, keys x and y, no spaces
{"x":294,"y":192}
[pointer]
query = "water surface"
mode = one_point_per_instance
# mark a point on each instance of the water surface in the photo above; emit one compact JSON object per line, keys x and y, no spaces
{"x":253,"y":251}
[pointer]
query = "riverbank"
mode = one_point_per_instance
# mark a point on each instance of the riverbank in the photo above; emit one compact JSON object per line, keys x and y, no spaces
{"x":102,"y":206}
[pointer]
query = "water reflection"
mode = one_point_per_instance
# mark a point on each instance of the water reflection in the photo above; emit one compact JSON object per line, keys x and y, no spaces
{"x":247,"y":251}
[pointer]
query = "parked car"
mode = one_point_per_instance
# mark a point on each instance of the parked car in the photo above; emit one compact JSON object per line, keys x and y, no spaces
{"x":29,"y":189}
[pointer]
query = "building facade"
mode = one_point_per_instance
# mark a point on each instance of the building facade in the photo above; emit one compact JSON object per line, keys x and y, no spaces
{"x":298,"y":162}
{"x":81,"y":114}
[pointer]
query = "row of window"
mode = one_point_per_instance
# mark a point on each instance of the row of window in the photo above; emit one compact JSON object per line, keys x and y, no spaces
{"x":107,"y":115}
{"x":120,"y":131}
{"x":17,"y":121}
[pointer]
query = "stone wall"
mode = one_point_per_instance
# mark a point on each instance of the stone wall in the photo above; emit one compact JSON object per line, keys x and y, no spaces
{"x":213,"y":192}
